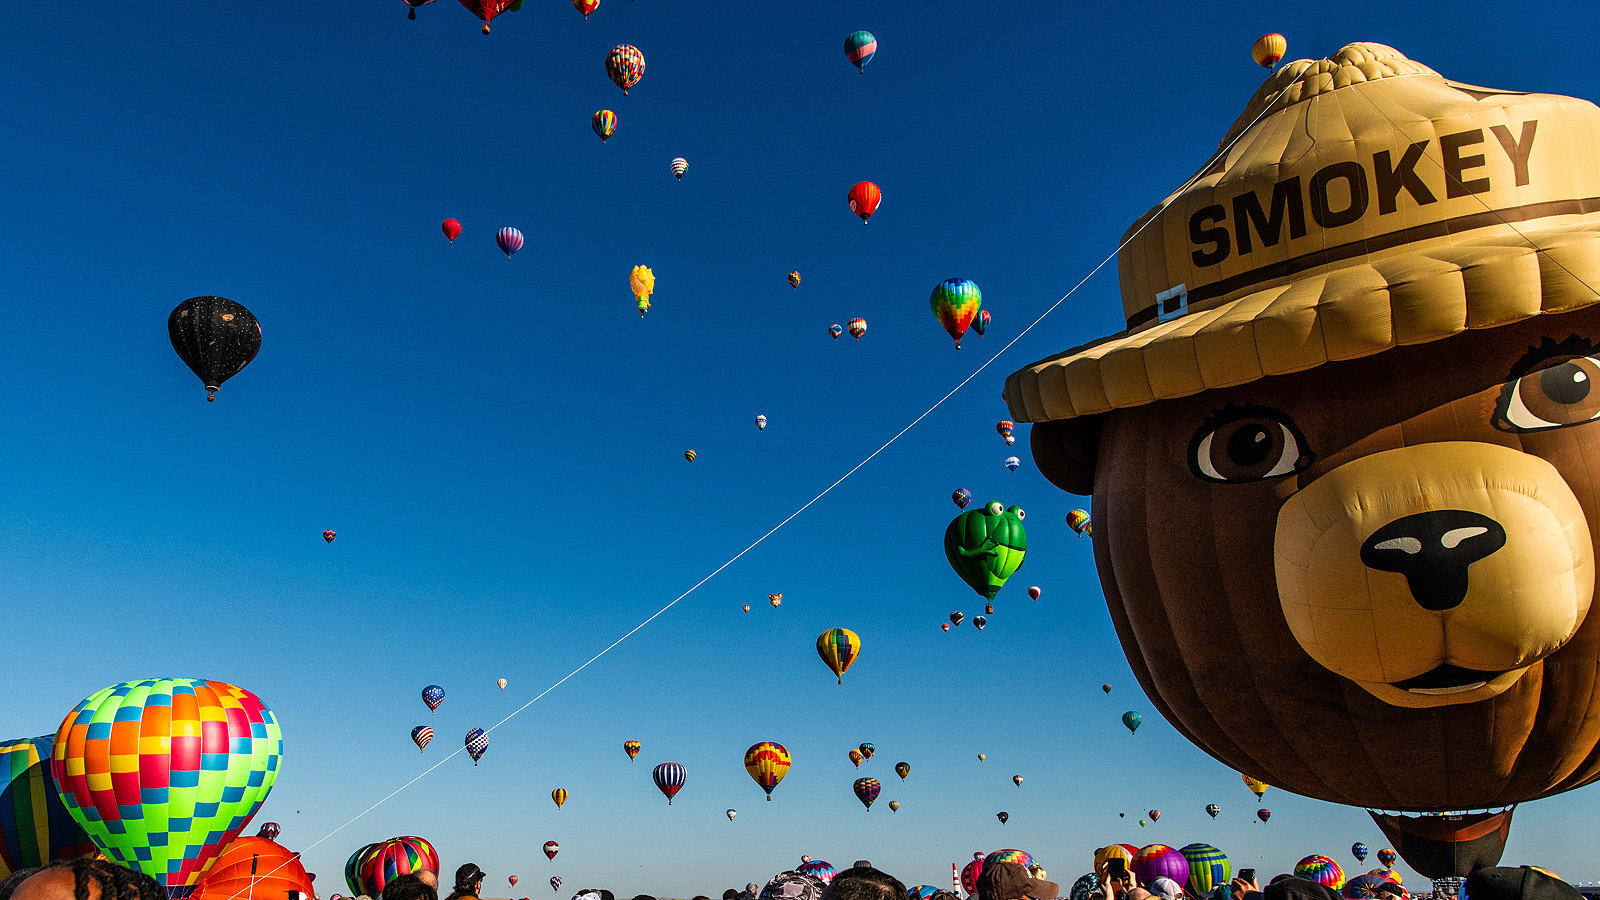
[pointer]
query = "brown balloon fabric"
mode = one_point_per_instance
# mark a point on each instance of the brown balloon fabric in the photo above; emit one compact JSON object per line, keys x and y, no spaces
{"x":254,"y":868}
{"x":1522,"y":883}
{"x":1447,"y":846}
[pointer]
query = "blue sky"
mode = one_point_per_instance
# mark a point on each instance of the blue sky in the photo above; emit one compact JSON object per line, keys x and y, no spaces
{"x":499,"y":444}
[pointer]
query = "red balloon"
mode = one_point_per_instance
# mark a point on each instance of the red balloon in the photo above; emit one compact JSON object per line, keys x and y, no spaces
{"x":487,"y":9}
{"x":452,"y":229}
{"x":864,"y":199}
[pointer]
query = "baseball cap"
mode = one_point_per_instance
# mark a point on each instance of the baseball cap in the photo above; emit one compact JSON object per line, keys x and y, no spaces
{"x":469,"y":874}
{"x":1010,"y":881}
{"x":1166,"y":887}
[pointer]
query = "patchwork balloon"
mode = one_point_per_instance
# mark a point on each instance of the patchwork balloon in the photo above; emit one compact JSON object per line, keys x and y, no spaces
{"x":1020,"y":857}
{"x":625,"y":66}
{"x":867,"y":791}
{"x":35,"y":828}
{"x":162,"y":774}
{"x":388,"y":860}
{"x":767,"y":762}
{"x":955,"y":303}
{"x":1359,"y":851}
{"x":856,"y":758}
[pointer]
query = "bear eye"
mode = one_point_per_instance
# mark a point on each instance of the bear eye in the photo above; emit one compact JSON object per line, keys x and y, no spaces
{"x":1243,"y":444}
{"x":1560,"y":394}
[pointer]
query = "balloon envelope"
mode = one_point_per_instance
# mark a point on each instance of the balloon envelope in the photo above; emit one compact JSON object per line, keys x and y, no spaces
{"x":631,"y":748}
{"x":866,"y":791}
{"x":1387,"y":857}
{"x":433,"y":695}
{"x":864,"y":198}
{"x":859,"y":48}
{"x":669,"y":778}
{"x":839,"y":648}
{"x":35,"y":828}
{"x":1160,"y":861}
{"x":680,"y":166}
{"x":215,"y":337}
{"x":559,"y":795}
{"x":1208,"y":867}
{"x":551,"y":848}
{"x":962,"y":497}
{"x":902,"y":769}
{"x":451,"y":229}
{"x":767,"y":762}
{"x":625,"y":66}
{"x":1321,"y":869}
{"x":1268,"y":49}
{"x":986,"y":546}
{"x":421,"y":735}
{"x":477,"y":743}
{"x":387,"y":860}
{"x":254,"y":867}
{"x":604,"y":124}
{"x":955,"y":303}
{"x":1132,"y":719}
{"x":509,"y":240}
{"x":1359,"y":851}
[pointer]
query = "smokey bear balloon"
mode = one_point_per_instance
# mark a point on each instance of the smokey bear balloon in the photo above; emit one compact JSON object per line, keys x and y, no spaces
{"x":1344,"y":457}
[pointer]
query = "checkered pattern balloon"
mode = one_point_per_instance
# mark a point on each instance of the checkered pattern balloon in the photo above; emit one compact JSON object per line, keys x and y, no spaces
{"x":164,"y":773}
{"x":1019,"y":857}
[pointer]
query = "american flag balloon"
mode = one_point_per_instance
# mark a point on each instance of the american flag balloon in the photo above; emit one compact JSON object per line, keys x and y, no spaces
{"x":421,"y":735}
{"x":477,"y":744}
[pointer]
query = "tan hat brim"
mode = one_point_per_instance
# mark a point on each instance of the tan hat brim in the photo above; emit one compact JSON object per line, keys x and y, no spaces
{"x":1424,"y":291}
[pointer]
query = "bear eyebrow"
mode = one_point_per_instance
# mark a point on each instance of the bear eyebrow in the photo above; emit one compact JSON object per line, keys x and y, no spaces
{"x":1230,"y":412}
{"x":1549,"y":349}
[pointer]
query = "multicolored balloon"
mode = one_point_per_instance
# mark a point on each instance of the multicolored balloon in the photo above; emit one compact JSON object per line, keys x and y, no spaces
{"x":820,"y":869}
{"x":835,"y":330}
{"x":868,"y":750}
{"x":585,"y":7}
{"x":1390,"y":875}
{"x":957,"y":617}
{"x":451,"y":228}
{"x":625,"y":66}
{"x":488,"y":9}
{"x":839,"y":648}
{"x":162,"y":774}
{"x":981,"y":323}
{"x":352,"y":869}
{"x":1363,"y":886}
{"x":559,"y":796}
{"x":215,"y":337}
{"x":1020,"y":857}
{"x":1321,"y":869}
{"x":1132,"y":720}
{"x":955,"y":302}
{"x":1387,"y":857}
{"x":1155,"y":815}
{"x":1159,"y":861}
{"x":864,"y":198}
{"x":679,"y":166}
{"x":642,"y":282}
{"x":987,"y":546}
{"x":761,"y":423}
{"x":1359,"y":851}
{"x":433,"y":695}
{"x":856,"y":758}
{"x":1208,"y":867}
{"x":604,"y":124}
{"x":509,"y":240}
{"x":767,"y":762}
{"x":1263,"y":814}
{"x":1078,"y":520}
{"x":329,"y":536}
{"x":776,"y":600}
{"x":669,"y":778}
{"x":477,"y":742}
{"x":961,"y":497}
{"x":551,"y":848}
{"x":35,"y":828}
{"x":794,"y":280}
{"x":859,"y":48}
{"x":745,"y":607}
{"x":867,"y":791}
{"x":1268,"y":49}
{"x":902,"y":769}
{"x":632,"y":748}
{"x":856,"y":327}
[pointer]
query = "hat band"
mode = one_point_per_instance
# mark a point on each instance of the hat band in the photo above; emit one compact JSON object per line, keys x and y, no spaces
{"x":1328,"y":255}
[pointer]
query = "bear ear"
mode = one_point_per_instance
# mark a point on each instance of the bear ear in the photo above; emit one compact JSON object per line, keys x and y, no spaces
{"x":1065,"y":452}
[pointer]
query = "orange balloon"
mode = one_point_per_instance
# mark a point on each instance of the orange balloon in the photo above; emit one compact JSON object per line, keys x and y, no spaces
{"x":253,"y":867}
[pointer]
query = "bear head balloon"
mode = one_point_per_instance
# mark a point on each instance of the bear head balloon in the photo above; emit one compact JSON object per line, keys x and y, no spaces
{"x":1344,"y":460}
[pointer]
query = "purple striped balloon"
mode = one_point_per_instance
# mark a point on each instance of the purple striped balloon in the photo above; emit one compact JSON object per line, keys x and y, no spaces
{"x":1160,"y":861}
{"x":510,"y":241}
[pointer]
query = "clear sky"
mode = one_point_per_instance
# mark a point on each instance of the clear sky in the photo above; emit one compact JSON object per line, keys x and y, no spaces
{"x":499,"y":444}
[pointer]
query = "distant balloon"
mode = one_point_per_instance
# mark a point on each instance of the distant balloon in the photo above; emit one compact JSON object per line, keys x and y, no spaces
{"x":731,"y":814}
{"x":329,"y":536}
{"x":1359,"y":851}
{"x":980,"y":324}
{"x":962,"y":497}
{"x":679,"y":166}
{"x":1106,"y":688}
{"x":856,"y":758}
{"x":866,"y":791}
{"x":856,"y":327}
{"x":551,"y":848}
{"x":1132,"y":719}
{"x":745,"y":607}
{"x":586,"y":7}
{"x":555,"y":882}
{"x":433,"y":695}
{"x":1016,"y":780}
{"x":509,"y":240}
{"x":501,"y":682}
{"x":1213,"y":810}
{"x":1004,"y":427}
{"x":689,"y":455}
{"x":669,"y":778}
{"x":1034,"y":592}
{"x":1258,"y":787}
{"x":944,"y":626}
{"x":839,"y":648}
{"x":559,"y":795}
{"x":988,"y":609}
{"x":604,"y":124}
{"x":794,"y":280}
{"x":1002,"y":816}
{"x":477,"y":744}
{"x":859,"y":48}
{"x":412,"y":12}
{"x":270,"y":831}
{"x":1078,"y":520}
{"x":1268,"y":49}
{"x":775,"y":599}
{"x":631,"y":748}
{"x":894,"y":806}
{"x":868,"y":750}
{"x":761,"y":423}
{"x":957,"y":617}
{"x":982,"y":757}
{"x":864,"y":199}
{"x":1387,"y":857}
{"x":1012,"y":462}
{"x":767,"y":762}
{"x":452,"y":229}
{"x":955,"y":302}
{"x":513,"y":879}
{"x":835,"y":330}
{"x":979,"y":621}
{"x":902,"y":769}
{"x":642,"y":282}
{"x":625,"y":66}
{"x":215,"y":337}
{"x":421,"y":735}
{"x":1263,"y":814}
{"x":1155,"y":815}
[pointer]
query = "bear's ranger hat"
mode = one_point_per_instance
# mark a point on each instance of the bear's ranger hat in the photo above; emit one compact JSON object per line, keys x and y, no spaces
{"x":1361,"y":202}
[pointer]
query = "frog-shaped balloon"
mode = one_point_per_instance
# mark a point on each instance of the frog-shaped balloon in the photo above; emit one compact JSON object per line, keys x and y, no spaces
{"x":986,"y":546}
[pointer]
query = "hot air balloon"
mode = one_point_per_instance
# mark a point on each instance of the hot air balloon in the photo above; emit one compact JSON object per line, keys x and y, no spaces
{"x":679,"y":166}
{"x":944,"y":626}
{"x":864,"y":198}
{"x":1034,"y":592}
{"x":215,"y":337}
{"x":1106,"y":688}
{"x":957,"y":617}
{"x":955,"y":302}
{"x":254,"y":867}
{"x":514,"y":879}
{"x":839,"y":648}
{"x":866,"y":791}
{"x":1159,"y":861}
{"x":631,"y":748}
{"x":1321,"y":869}
{"x":859,"y":48}
{"x":689,"y":455}
{"x":1256,"y":786}
{"x":270,"y":831}
{"x":981,"y":757}
{"x":1004,"y":427}
{"x":1016,"y":780}
{"x":856,"y":758}
{"x":979,"y":621}
{"x":745,"y":607}
{"x":835,"y":330}
{"x":487,"y":9}
{"x":555,"y":882}
{"x":1268,"y":49}
{"x":1387,"y":875}
{"x":1213,"y":810}
{"x":1155,"y":815}
{"x":961,"y":497}
{"x":625,"y":66}
{"x":433,"y":695}
{"x":1012,"y":462}
{"x":551,"y":848}
{"x":856,"y":327}
{"x":1003,"y":816}
{"x":412,"y":12}
{"x":794,"y":280}
{"x":1142,"y":823}
{"x":970,"y":873}
{"x":868,"y":750}
{"x":509,"y":240}
{"x":451,"y":228}
{"x":767,"y":763}
{"x":902,"y":769}
{"x":775,"y":599}
{"x":643,"y":283}
{"x":980,"y":323}
{"x":604,"y":124}
{"x":1132,"y":719}
{"x":352,"y":869}
{"x":199,"y":756}
{"x":761,"y":423}
{"x":669,"y":777}
{"x":586,"y":7}
{"x":820,"y":869}
{"x":35,"y":828}
{"x":1208,"y":867}
{"x":987,"y":546}
{"x":1359,"y":851}
{"x":477,"y":742}
{"x":501,"y":683}
{"x":1263,"y":814}
{"x":1387,"y":857}
{"x":559,"y":795}
{"x":894,"y":806}
{"x":329,"y":536}
{"x":1078,"y":520}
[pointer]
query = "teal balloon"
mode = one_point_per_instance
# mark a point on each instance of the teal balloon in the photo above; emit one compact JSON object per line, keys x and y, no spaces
{"x":1208,"y":867}
{"x":1132,"y":720}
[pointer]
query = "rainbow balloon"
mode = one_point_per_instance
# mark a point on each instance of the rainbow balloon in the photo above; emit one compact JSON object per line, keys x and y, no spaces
{"x":1160,"y":861}
{"x":1019,"y":857}
{"x":955,"y":302}
{"x":1321,"y":869}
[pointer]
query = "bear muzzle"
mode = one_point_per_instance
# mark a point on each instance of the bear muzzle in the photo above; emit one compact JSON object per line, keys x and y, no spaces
{"x":1435,"y":574}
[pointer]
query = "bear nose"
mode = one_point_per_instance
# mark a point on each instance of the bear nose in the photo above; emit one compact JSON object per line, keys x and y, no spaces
{"x":1433,"y":550}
